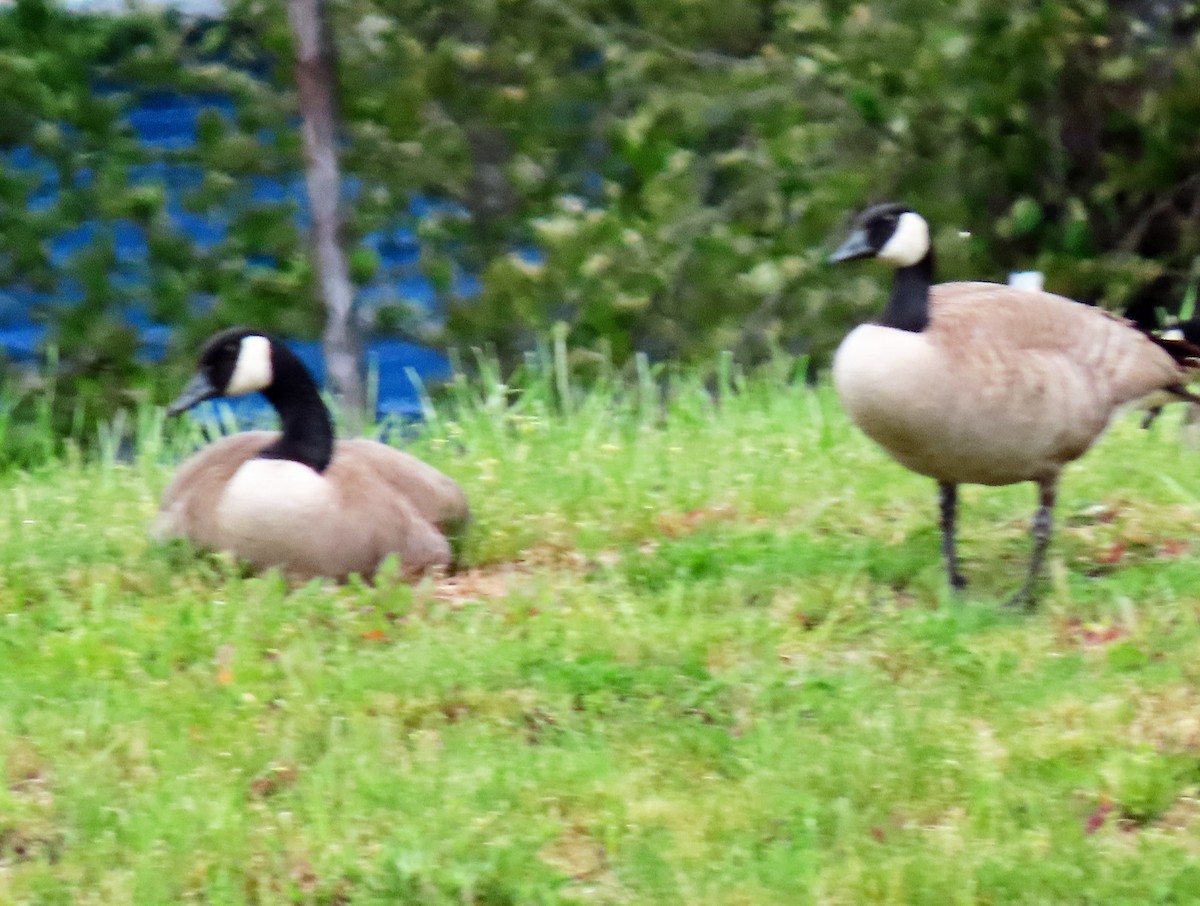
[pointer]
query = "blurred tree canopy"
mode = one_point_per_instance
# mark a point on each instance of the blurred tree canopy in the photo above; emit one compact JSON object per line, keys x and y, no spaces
{"x":684,"y":164}
{"x":73,"y":167}
{"x":660,"y":175}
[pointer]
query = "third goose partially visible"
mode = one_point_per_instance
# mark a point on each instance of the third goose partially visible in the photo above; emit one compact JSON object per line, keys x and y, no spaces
{"x":985,"y":384}
{"x":1187,"y":330}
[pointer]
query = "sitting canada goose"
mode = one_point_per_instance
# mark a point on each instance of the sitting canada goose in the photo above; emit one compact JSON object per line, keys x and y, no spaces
{"x":297,"y":500}
{"x":983,"y":383}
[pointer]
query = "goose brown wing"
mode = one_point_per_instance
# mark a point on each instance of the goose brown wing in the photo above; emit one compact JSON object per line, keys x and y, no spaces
{"x":189,"y":504}
{"x":434,"y":495}
{"x":370,"y":519}
{"x":1001,"y":331}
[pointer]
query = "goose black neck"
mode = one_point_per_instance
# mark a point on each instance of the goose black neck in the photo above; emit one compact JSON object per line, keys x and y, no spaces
{"x":307,"y":428}
{"x":908,"y":309}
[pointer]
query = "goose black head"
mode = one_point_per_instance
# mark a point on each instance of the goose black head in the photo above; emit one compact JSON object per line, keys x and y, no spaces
{"x":890,"y":232}
{"x":232,"y":363}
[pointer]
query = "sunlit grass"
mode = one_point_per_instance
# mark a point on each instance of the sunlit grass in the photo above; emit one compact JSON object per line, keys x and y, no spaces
{"x":699,"y":654}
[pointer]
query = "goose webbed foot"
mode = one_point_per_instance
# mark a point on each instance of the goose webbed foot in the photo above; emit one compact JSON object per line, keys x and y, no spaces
{"x":1150,"y":416}
{"x":1022,"y":599}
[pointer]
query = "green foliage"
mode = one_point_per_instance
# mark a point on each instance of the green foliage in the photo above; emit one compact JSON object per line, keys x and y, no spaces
{"x":681,"y":166}
{"x":67,"y":81}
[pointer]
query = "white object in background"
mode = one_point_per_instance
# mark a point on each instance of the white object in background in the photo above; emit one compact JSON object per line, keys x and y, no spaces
{"x":1030,"y":280}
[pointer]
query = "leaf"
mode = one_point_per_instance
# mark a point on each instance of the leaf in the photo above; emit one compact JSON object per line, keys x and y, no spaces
{"x":1026,"y":216}
{"x":1096,"y":819}
{"x":1093,"y":633}
{"x":374,"y":635}
{"x":1103,"y":635}
{"x":1172,"y":548}
{"x":224,"y":662}
{"x":277,"y":778}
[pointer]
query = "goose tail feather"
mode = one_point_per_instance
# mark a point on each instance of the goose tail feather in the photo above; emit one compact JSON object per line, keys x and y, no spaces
{"x":1185,"y":353}
{"x":1181,"y":392}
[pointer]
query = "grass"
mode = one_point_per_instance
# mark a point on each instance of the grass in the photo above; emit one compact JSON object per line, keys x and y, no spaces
{"x":700,"y":655}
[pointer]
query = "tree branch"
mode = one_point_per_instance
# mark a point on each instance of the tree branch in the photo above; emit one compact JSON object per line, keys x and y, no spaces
{"x":315,"y":80}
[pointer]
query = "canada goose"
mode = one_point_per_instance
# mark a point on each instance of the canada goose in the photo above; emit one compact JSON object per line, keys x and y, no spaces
{"x":983,"y":383}
{"x":1189,"y":331}
{"x":295,"y":499}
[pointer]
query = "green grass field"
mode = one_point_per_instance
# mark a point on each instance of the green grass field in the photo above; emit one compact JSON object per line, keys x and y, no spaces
{"x":697,"y":657}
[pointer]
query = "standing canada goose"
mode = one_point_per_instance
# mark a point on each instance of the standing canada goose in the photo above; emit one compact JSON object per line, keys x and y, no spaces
{"x":983,"y":383}
{"x":295,"y":499}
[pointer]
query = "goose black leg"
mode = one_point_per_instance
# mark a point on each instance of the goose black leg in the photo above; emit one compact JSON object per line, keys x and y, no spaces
{"x":949,"y":500}
{"x":1042,"y":523}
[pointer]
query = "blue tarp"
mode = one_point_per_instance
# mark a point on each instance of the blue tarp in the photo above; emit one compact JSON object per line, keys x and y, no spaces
{"x":390,"y":360}
{"x":168,"y":121}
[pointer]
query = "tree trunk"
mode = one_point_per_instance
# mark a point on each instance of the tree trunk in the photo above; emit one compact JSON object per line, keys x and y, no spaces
{"x":315,"y":81}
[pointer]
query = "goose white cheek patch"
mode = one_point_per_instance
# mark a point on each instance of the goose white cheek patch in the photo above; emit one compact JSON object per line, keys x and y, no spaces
{"x":909,"y":243}
{"x":253,"y":369}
